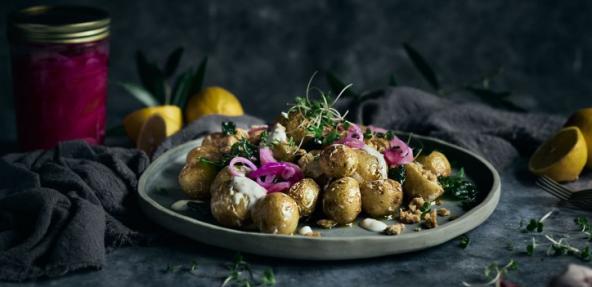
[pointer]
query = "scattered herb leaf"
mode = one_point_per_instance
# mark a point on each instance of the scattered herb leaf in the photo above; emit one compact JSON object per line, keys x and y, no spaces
{"x":228,"y":128}
{"x":464,"y":241}
{"x":457,"y":187}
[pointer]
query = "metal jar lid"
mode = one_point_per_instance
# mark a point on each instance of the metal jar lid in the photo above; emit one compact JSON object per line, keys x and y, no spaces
{"x":58,"y":24}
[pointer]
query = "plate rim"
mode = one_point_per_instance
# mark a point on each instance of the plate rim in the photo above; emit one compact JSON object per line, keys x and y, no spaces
{"x":487,"y":206}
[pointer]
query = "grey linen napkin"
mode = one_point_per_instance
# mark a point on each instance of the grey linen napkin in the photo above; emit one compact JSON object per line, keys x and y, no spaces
{"x":500,"y":136}
{"x":62,"y":209}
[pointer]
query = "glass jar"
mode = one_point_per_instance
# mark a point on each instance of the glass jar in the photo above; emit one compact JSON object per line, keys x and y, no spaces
{"x":59,"y":57}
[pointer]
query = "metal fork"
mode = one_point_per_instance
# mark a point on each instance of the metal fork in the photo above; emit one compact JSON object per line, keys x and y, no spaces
{"x":579,"y":198}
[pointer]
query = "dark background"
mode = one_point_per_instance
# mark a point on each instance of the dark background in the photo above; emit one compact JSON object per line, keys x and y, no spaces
{"x":265,"y":51}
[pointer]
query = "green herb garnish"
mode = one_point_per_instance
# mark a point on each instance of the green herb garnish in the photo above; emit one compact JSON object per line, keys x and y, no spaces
{"x":464,"y":241}
{"x":390,"y":135}
{"x":367,"y":134}
{"x":457,"y":187}
{"x":425,"y":209}
{"x":534,"y":224}
{"x":397,"y":173}
{"x":241,"y":274}
{"x":228,"y":128}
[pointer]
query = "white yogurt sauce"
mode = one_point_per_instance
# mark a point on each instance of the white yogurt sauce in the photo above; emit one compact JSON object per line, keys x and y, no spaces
{"x":279,"y":134}
{"x":381,"y":162}
{"x":372,"y":224}
{"x":182,"y":205}
{"x":304,"y":230}
{"x":244,"y":188}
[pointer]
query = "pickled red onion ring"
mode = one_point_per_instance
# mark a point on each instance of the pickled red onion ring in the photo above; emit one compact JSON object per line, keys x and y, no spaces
{"x":277,"y":187}
{"x":399,"y":153}
{"x":376,"y":129}
{"x":265,"y":155}
{"x":244,"y":161}
{"x":354,"y":137}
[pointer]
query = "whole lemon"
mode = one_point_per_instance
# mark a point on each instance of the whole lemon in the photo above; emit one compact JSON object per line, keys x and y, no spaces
{"x":213,"y":100}
{"x":583,"y":120}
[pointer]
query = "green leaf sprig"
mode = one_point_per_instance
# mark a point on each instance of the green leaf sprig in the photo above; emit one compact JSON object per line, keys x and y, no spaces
{"x":460,"y":188}
{"x":154,"y":88}
{"x":240,"y":273}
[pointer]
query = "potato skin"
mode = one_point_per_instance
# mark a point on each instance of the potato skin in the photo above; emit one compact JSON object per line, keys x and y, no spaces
{"x":295,"y":125}
{"x":196,"y":177}
{"x":277,"y":213}
{"x":284,"y":151}
{"x":420,"y":182}
{"x":233,"y":199}
{"x":221,"y":142}
{"x":437,"y":163}
{"x":381,"y":198}
{"x":305,"y":192}
{"x":342,"y":200}
{"x":338,"y":161}
{"x":226,"y":210}
{"x":310,"y":164}
{"x":368,"y":168}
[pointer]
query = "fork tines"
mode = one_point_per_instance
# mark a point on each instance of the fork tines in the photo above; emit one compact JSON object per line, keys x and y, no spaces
{"x":554,"y":188}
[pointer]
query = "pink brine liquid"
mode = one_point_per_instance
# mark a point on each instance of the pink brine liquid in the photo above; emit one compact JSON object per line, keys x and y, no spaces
{"x":60,"y":92}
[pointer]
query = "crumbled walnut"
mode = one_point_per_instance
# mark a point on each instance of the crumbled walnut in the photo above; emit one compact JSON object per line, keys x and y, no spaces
{"x":394,"y":229}
{"x":431,"y":219}
{"x":313,"y":234}
{"x":408,"y":217}
{"x":416,"y":203}
{"x":438,"y":202}
{"x":443,"y":212}
{"x":326,"y":223}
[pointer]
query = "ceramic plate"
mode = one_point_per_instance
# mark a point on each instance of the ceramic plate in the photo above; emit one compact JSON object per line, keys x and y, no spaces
{"x":158,"y":190}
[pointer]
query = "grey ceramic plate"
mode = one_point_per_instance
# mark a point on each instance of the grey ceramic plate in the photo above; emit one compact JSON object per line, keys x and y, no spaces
{"x":158,"y":190}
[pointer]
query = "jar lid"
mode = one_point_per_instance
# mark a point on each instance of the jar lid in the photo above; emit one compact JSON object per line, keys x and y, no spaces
{"x":58,"y":24}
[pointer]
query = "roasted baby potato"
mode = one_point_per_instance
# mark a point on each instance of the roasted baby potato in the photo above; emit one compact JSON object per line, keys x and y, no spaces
{"x":420,"y":182}
{"x":368,"y":168}
{"x":338,"y":161}
{"x":222,"y":176}
{"x":296,"y":126}
{"x":342,"y":200}
{"x":310,"y":164}
{"x":381,"y":198}
{"x":276,"y":213}
{"x":305,"y":192}
{"x":196,"y":176}
{"x":284,"y":151}
{"x":221,"y":142}
{"x":233,"y":199}
{"x":437,"y":163}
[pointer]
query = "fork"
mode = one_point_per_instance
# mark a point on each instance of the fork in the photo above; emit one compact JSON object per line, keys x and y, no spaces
{"x":579,"y":198}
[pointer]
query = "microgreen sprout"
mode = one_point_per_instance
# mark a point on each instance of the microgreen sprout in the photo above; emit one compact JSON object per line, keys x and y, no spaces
{"x":237,"y":276}
{"x":537,"y":225}
{"x":495,"y":273}
{"x":464,"y":241}
{"x":531,"y":247}
{"x":584,"y":226}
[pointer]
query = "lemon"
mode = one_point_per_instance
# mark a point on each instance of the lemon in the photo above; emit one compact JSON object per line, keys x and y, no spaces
{"x":213,"y":100}
{"x":583,"y":120}
{"x":152,"y":134}
{"x":171,"y":115}
{"x":562,"y":157}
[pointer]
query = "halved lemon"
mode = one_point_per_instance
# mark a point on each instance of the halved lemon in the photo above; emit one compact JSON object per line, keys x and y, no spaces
{"x":171,"y":115}
{"x":152,"y":134}
{"x":583,"y":120}
{"x":562,"y":157}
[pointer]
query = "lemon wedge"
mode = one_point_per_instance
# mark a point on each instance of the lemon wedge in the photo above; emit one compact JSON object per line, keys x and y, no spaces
{"x":152,"y":134}
{"x":562,"y":157}
{"x":213,"y":100}
{"x":171,"y":115}
{"x":583,"y":120}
